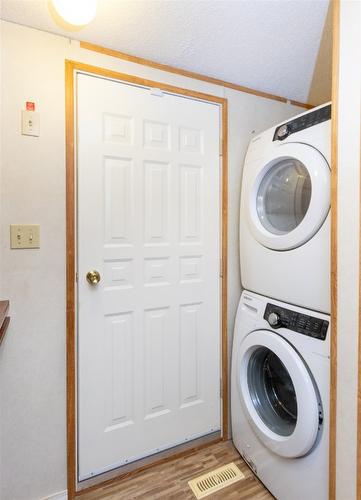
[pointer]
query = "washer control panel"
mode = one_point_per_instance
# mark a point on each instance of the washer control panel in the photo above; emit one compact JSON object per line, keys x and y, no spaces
{"x":280,"y":317}
{"x":302,"y":122}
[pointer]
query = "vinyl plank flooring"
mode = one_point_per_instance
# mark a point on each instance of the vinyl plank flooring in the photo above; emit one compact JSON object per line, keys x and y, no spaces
{"x":169,"y":481}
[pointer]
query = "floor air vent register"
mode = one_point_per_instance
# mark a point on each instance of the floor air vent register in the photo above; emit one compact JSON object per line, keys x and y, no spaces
{"x":215,"y":480}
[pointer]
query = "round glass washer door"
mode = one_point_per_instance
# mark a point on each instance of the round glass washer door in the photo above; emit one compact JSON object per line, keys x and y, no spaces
{"x":278,"y":394}
{"x":290,"y":197}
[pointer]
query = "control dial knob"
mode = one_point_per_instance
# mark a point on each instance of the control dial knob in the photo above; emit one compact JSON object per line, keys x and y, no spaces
{"x":283,"y":132}
{"x":274,"y":319}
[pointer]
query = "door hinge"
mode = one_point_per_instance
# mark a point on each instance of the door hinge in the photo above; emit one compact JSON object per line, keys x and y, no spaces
{"x":76,"y":277}
{"x":220,"y":268}
{"x":220,"y":389}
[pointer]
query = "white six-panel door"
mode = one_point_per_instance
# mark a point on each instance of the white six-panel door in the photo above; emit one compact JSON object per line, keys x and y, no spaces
{"x":149,"y":223}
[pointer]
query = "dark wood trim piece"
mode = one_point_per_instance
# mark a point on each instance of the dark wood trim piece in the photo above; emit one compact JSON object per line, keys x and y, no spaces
{"x":70,"y":68}
{"x":334,"y":270}
{"x":4,"y":318}
{"x":4,"y":327}
{"x":4,"y":308}
{"x":188,"y":74}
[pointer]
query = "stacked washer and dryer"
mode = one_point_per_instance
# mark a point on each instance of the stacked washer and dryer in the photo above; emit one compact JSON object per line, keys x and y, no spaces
{"x":281,"y":346}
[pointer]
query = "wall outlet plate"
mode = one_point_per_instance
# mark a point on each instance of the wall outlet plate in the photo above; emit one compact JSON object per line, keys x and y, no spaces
{"x":24,"y":236}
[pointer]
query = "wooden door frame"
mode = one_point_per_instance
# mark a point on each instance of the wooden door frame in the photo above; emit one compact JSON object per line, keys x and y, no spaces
{"x":71,"y":67}
{"x":334,"y":267}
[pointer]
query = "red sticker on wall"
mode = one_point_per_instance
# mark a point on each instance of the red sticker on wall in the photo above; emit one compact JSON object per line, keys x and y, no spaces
{"x":30,"y":106}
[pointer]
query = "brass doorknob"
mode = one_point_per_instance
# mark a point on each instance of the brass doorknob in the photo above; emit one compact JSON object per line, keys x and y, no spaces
{"x":93,"y":277}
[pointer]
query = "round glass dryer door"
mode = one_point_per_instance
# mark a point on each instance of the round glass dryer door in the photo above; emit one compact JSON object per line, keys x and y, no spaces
{"x":284,"y":196}
{"x":278,"y":394}
{"x":290,"y":197}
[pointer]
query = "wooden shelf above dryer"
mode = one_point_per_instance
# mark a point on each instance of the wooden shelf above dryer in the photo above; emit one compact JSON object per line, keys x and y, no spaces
{"x":4,"y":318}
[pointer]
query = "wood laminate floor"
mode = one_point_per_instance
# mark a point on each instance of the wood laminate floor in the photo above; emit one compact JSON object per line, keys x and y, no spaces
{"x":170,"y":480}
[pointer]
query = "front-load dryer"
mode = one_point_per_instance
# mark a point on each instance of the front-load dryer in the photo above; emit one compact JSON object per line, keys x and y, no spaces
{"x":284,"y":214}
{"x":280,"y":396}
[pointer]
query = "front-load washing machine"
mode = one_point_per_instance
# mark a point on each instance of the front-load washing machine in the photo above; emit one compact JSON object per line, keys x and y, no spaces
{"x":280,"y":396}
{"x":284,"y":215}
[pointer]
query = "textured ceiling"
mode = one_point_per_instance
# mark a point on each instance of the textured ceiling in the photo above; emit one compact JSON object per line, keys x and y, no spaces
{"x":268,"y":45}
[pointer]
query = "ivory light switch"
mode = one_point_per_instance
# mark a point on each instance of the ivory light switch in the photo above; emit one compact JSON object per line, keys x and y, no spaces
{"x":24,"y":236}
{"x":30,"y":123}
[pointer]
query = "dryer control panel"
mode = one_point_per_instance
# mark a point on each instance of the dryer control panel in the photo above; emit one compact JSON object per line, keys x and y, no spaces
{"x":302,"y":122}
{"x":280,"y":317}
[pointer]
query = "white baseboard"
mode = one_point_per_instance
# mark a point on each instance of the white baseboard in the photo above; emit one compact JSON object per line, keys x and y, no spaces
{"x":61,"y":495}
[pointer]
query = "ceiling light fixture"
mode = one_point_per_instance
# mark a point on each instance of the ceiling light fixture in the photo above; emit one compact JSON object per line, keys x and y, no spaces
{"x":76,"y":12}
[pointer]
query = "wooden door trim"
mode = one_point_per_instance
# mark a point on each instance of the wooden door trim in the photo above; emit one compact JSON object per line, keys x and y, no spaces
{"x":334,"y":267}
{"x":358,"y":452}
{"x":70,"y":282}
{"x":189,"y":74}
{"x":70,"y":68}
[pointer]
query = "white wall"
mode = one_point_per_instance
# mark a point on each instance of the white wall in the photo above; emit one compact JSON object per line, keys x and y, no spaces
{"x":247,"y":115}
{"x":320,"y":88}
{"x":348,"y":247}
{"x":32,"y":357}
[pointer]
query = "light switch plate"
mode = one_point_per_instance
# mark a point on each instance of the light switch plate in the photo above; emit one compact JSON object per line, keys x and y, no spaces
{"x":24,"y":236}
{"x":30,"y":123}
